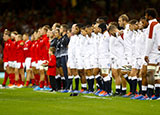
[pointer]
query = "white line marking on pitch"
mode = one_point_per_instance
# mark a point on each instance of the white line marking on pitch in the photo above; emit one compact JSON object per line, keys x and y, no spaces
{"x":95,"y":97}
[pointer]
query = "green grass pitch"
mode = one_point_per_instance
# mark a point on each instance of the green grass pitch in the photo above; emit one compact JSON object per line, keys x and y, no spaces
{"x":25,"y":101}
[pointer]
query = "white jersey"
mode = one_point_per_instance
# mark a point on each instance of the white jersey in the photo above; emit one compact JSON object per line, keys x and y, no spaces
{"x":96,"y":39}
{"x":72,"y":46}
{"x":88,"y":47}
{"x":140,"y":43}
{"x":135,"y":34}
{"x":103,"y":49}
{"x":153,"y":37}
{"x":116,"y":46}
{"x":127,"y":41}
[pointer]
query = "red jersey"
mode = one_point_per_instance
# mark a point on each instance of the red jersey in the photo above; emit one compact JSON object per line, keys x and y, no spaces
{"x":6,"y":51}
{"x":44,"y":44}
{"x":13,"y":50}
{"x":37,"y":51}
{"x":32,"y":50}
{"x":20,"y":51}
{"x":27,"y":47}
{"x":52,"y":65}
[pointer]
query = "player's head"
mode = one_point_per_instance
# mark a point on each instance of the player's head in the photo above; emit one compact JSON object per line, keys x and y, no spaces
{"x":50,"y":34}
{"x":113,"y":23}
{"x":63,"y":28}
{"x":6,"y":35}
{"x":55,"y":26}
{"x":88,"y":29}
{"x":83,"y":31}
{"x":69,"y":32}
{"x":150,"y":13}
{"x":13,"y":34}
{"x":102,"y":27}
{"x":113,"y":30}
{"x":102,"y":19}
{"x":18,"y":37}
{"x":32,"y":37}
{"x":143,"y":23}
{"x":133,"y":24}
{"x":44,"y":30}
{"x":57,"y":33}
{"x":123,"y":20}
{"x":96,"y":28}
{"x":25,"y":36}
{"x":76,"y":28}
{"x":52,"y":50}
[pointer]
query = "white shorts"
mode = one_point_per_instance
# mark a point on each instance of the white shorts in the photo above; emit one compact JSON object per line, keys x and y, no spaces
{"x":28,"y":63}
{"x":116,"y":63}
{"x":154,"y":58}
{"x":94,"y":63}
{"x":104,"y":63}
{"x":34,"y":64}
{"x":87,"y":63}
{"x":72,"y":63}
{"x":80,"y":63}
{"x":40,"y":62}
{"x":19,"y":65}
{"x":5,"y":65}
{"x":127,"y":61}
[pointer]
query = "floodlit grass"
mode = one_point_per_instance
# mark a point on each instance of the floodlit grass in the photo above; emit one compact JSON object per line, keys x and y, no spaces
{"x":25,"y":101}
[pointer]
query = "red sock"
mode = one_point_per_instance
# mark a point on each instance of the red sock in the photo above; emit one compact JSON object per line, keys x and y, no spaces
{"x":27,"y":83}
{"x":41,"y":84}
{"x":16,"y":82}
{"x":22,"y":82}
{"x":5,"y":78}
{"x":13,"y":78}
{"x":10,"y":78}
{"x":49,"y":85}
{"x":33,"y":81}
{"x":37,"y":78}
{"x":46,"y":81}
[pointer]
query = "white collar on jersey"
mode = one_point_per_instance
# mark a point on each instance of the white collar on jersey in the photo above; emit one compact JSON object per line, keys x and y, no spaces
{"x":26,"y":41}
{"x":153,"y":20}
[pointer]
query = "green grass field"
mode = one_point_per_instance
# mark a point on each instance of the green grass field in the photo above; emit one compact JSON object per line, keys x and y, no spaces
{"x":25,"y":101}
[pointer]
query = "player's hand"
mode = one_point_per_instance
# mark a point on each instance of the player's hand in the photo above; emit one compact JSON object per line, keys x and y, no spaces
{"x":146,"y":59}
{"x":159,"y":48}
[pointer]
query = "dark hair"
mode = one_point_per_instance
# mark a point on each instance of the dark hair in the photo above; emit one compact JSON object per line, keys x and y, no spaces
{"x":151,"y":12}
{"x":65,"y":26}
{"x":133,"y":21}
{"x":79,"y":25}
{"x":103,"y":27}
{"x":143,"y":18}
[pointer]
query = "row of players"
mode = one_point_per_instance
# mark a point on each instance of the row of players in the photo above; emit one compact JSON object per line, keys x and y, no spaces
{"x":94,"y":52}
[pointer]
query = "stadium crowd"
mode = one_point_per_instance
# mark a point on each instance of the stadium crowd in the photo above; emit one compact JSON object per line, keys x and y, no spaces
{"x":126,"y":51}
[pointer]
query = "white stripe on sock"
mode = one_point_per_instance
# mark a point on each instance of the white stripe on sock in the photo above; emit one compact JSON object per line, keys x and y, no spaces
{"x":118,"y":87}
{"x":124,"y":88}
{"x":125,"y":76}
{"x":107,"y":78}
{"x":157,"y":85}
{"x":70,"y":77}
{"x":144,"y":88}
{"x":130,"y":77}
{"x":150,"y":86}
{"x":134,"y":78}
{"x":76,"y":77}
{"x":84,"y":85}
{"x":97,"y":76}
